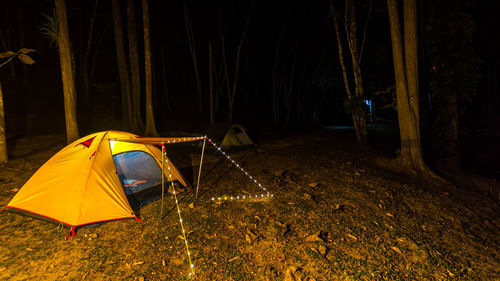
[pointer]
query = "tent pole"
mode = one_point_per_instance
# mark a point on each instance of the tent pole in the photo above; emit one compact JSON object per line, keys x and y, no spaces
{"x":162,"y":177}
{"x":199,"y":171}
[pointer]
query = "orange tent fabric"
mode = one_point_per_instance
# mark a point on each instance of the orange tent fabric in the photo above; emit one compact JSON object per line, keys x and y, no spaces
{"x":79,"y":185}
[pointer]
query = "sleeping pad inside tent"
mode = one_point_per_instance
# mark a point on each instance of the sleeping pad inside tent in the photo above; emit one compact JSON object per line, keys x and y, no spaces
{"x":96,"y":179}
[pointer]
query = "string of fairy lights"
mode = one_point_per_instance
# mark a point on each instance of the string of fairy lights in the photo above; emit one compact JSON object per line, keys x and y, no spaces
{"x":191,"y":265}
{"x":239,"y":197}
{"x":219,"y":198}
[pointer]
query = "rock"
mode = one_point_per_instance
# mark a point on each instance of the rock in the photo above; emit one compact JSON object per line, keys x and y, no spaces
{"x":313,"y":184}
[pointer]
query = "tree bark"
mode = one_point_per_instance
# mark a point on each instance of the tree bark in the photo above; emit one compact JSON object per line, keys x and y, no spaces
{"x":3,"y":139}
{"x":122,"y":67}
{"x":134,"y":66}
{"x":64,"y":46}
{"x":411,"y":149}
{"x":150,"y":118}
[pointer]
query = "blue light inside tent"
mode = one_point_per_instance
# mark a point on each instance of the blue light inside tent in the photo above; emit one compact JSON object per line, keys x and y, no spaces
{"x":137,"y":171}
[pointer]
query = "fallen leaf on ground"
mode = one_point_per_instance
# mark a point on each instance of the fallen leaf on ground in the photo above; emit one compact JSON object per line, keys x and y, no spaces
{"x":138,"y":263}
{"x":314,"y":238}
{"x":235,"y":258}
{"x":351,"y":236}
{"x":396,"y":249}
{"x":389,"y":215}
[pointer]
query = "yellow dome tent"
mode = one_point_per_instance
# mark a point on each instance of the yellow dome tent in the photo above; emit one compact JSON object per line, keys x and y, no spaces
{"x":80,"y":184}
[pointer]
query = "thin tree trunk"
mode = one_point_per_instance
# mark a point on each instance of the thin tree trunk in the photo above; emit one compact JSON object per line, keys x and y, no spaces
{"x":134,"y":65}
{"x":411,"y":149}
{"x":64,"y":46}
{"x":7,"y":46}
{"x":192,"y":49}
{"x":150,"y":118}
{"x":358,"y":115}
{"x":3,"y":139}
{"x":291,"y":79}
{"x":232,"y":95}
{"x":211,"y":83}
{"x":127,"y":113}
{"x":352,"y":39}
{"x":164,"y":77}
{"x":85,"y":61}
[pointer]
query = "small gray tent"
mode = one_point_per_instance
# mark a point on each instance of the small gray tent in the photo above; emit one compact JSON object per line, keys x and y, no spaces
{"x":229,"y":135}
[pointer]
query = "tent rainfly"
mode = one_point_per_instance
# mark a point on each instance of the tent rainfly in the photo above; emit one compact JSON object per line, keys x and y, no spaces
{"x":86,"y":182}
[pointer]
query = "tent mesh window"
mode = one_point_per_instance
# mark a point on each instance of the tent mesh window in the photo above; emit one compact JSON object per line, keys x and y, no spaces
{"x":137,"y":171}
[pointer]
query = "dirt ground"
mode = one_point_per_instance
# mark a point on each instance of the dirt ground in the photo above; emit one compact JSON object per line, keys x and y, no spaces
{"x":339,"y":212}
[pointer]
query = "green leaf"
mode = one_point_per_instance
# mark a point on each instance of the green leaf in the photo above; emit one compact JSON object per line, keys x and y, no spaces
{"x":7,"y":54}
{"x":25,"y":51}
{"x":26,"y":59}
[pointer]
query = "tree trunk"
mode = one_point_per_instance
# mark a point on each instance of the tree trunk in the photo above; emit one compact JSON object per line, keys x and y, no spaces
{"x":164,"y":79}
{"x":411,"y":149}
{"x":232,"y":94}
{"x":211,"y":83}
{"x":85,"y":59}
{"x":192,"y":49}
{"x":3,"y":139}
{"x":122,"y":67}
{"x":150,"y":118}
{"x":358,"y":115}
{"x":276,"y":89}
{"x":291,"y":80}
{"x":64,"y":46}
{"x":134,"y":66}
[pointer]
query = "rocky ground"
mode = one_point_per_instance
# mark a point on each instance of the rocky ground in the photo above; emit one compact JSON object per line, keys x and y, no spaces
{"x":339,"y":212}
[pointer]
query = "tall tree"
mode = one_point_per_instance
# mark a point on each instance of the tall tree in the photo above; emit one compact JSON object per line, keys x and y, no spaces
{"x":232,"y":92}
{"x":84,"y":58}
{"x":3,"y":139}
{"x":127,"y":113}
{"x":134,"y":65}
{"x":355,"y":101}
{"x":64,"y":46}
{"x":452,"y":72}
{"x":211,"y":83}
{"x":150,"y":118}
{"x":192,"y":51}
{"x":406,"y":75}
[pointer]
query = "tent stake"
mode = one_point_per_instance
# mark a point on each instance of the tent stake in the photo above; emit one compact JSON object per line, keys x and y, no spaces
{"x":199,"y":171}
{"x":162,"y":177}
